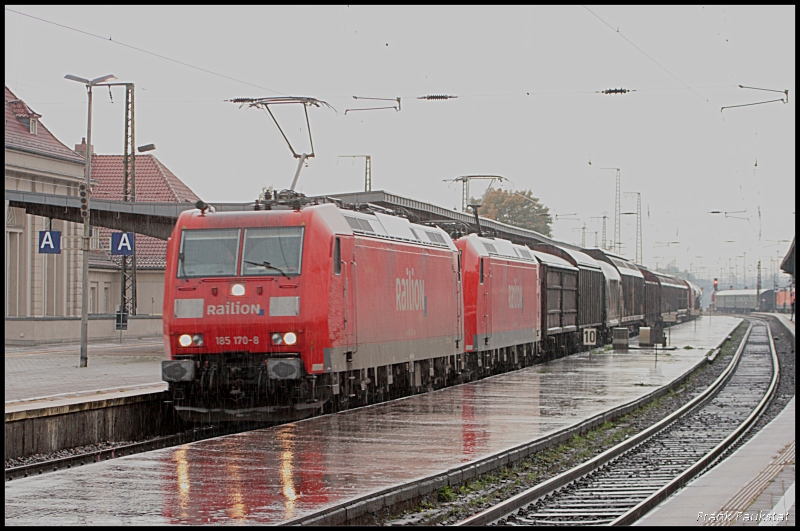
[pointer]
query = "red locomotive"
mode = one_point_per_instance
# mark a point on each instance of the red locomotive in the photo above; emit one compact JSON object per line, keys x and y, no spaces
{"x":501,"y":285}
{"x":273,"y":314}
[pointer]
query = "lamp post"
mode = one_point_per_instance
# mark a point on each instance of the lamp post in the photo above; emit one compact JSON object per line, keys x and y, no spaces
{"x":368,"y":172}
{"x":639,"y":259}
{"x":128,"y":280}
{"x":736,"y":268}
{"x":744,"y":270}
{"x":86,"y":220}
{"x":617,"y":242}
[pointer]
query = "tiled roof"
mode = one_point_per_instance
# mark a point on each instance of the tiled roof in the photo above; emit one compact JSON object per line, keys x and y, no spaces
{"x":19,"y":137}
{"x":154,"y":183}
{"x":21,"y":109}
{"x":151,"y":253}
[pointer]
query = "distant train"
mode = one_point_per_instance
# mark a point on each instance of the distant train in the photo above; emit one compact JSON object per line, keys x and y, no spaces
{"x":303,"y":306}
{"x":750,"y":300}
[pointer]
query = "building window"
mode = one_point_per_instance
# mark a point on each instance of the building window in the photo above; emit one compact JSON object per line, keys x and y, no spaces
{"x":14,"y":217}
{"x":13,"y":268}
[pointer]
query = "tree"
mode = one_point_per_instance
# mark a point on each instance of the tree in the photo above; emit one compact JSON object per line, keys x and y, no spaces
{"x":519,"y":209}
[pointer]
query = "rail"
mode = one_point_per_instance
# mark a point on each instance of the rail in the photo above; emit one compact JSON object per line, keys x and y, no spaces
{"x":641,"y":498}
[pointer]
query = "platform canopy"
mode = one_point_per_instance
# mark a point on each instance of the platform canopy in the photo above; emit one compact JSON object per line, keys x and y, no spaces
{"x":788,"y":262}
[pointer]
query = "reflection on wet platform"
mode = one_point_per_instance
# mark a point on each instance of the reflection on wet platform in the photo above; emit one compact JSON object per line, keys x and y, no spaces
{"x":275,"y":474}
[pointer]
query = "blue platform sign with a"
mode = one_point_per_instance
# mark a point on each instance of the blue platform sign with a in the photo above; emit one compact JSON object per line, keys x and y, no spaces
{"x":122,"y":243}
{"x":49,"y":242}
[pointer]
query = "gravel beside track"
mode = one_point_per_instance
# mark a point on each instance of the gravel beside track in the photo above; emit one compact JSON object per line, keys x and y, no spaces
{"x":786,"y":386}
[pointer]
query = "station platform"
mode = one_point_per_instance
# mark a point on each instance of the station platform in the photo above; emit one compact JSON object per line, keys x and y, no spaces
{"x":754,"y":486}
{"x":50,"y":375}
{"x":280,"y":474}
{"x":782,"y":317}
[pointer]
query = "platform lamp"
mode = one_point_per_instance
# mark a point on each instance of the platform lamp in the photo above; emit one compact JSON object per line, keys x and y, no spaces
{"x":85,"y":213}
{"x":616,"y":243}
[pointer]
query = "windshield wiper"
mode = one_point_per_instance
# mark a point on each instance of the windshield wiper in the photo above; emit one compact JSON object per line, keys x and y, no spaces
{"x":268,"y":266}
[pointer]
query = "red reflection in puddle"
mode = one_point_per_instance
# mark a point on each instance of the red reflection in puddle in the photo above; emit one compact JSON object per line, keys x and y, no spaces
{"x":230,"y":481}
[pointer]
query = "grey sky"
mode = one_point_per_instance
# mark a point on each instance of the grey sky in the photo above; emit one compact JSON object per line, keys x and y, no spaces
{"x":525,"y":77}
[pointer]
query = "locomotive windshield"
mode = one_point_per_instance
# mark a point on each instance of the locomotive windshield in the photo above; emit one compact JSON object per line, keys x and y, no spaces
{"x":272,"y":251}
{"x":208,"y":253}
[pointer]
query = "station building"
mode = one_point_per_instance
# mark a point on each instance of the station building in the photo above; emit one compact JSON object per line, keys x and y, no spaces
{"x":43,"y":291}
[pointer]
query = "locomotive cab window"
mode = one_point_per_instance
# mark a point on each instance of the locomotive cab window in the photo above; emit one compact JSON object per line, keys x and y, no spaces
{"x":208,"y":253}
{"x":273,"y":251}
{"x":481,"y":270}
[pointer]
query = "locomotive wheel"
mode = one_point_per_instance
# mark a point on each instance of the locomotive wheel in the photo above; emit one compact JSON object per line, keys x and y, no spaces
{"x":344,"y":403}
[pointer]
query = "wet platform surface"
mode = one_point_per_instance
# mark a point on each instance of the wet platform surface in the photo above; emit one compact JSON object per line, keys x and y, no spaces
{"x":50,"y":375}
{"x":269,"y":476}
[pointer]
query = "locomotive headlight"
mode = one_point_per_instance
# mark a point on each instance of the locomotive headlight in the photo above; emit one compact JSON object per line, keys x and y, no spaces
{"x":289,"y":338}
{"x":237,"y":290}
{"x":187,"y":340}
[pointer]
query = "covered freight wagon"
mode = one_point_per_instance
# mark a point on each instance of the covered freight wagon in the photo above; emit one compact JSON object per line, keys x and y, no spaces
{"x":559,"y":303}
{"x":590,"y":284}
{"x":736,"y":301}
{"x":633,"y":289}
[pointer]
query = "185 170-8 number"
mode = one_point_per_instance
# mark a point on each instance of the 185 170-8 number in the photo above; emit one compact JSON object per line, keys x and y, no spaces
{"x":237,"y":340}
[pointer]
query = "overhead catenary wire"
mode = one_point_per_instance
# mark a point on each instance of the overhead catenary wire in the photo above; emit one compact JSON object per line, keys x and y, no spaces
{"x":768,"y":90}
{"x":144,"y":51}
{"x":616,"y":30}
{"x":749,"y":104}
{"x":431,"y":97}
{"x":786,"y":92}
{"x":396,"y":108}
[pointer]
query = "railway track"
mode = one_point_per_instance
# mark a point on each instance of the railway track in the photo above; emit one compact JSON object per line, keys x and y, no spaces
{"x":622,"y":484}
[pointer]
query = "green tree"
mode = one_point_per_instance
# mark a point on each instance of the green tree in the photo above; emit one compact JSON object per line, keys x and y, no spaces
{"x":519,"y":209}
